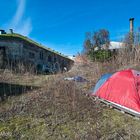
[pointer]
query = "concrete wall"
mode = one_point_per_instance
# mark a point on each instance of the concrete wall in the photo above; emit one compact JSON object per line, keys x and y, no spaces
{"x":30,"y":54}
{"x":13,"y":48}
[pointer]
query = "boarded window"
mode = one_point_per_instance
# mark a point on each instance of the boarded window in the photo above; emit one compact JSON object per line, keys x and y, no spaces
{"x":41,"y":55}
{"x":55,"y":59}
{"x":49,"y":58}
{"x":31,"y":55}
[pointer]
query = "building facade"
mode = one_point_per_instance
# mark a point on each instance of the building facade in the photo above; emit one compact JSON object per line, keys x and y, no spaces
{"x":17,"y":50}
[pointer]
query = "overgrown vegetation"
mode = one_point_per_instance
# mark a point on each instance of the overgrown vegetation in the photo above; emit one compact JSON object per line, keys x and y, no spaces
{"x":21,"y":37}
{"x":53,"y":108}
{"x":95,"y":43}
{"x":59,"y":109}
{"x":99,"y":55}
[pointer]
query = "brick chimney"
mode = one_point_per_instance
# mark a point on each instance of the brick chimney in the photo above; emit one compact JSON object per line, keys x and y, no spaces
{"x":2,"y":31}
{"x":131,"y":20}
{"x":131,"y":33}
{"x":11,"y":31}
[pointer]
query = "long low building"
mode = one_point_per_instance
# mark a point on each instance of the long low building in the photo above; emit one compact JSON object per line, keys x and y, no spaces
{"x":17,"y":51}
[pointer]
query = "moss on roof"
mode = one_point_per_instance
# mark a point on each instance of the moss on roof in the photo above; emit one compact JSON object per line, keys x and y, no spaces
{"x":15,"y":35}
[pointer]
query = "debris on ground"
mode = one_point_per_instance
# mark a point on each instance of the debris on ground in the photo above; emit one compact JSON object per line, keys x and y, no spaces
{"x":76,"y":78}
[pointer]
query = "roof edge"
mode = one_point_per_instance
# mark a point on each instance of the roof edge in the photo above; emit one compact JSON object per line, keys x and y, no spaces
{"x":35,"y":43}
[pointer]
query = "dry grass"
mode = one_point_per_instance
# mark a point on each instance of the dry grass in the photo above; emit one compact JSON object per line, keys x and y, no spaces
{"x":59,"y":109}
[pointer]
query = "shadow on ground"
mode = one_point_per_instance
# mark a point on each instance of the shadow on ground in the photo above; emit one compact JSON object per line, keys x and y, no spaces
{"x":7,"y":90}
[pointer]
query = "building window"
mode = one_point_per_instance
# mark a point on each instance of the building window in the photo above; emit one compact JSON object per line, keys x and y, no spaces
{"x":49,"y":58}
{"x":41,"y":55}
{"x":31,"y":55}
{"x":55,"y":59}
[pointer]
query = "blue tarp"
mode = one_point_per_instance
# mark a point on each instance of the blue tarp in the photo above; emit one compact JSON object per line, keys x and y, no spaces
{"x":101,"y":81}
{"x":80,"y":79}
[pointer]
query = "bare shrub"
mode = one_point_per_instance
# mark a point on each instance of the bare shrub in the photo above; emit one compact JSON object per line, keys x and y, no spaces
{"x":65,"y":112}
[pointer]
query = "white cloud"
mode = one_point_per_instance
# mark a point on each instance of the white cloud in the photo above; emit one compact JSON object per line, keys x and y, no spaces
{"x":18,"y":22}
{"x":26,"y":28}
{"x":19,"y":13}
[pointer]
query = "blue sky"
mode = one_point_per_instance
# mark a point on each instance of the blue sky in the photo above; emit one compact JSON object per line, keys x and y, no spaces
{"x":61,"y":24}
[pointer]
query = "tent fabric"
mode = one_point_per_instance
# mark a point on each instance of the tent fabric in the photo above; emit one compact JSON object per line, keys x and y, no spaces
{"x":101,"y":81}
{"x":123,"y":88}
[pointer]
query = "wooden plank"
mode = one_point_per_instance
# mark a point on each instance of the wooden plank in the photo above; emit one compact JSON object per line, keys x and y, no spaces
{"x":119,"y":108}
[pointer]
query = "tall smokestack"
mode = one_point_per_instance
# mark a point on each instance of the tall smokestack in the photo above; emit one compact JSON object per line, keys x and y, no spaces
{"x":131,"y":35}
{"x":131,"y":25}
{"x":11,"y":31}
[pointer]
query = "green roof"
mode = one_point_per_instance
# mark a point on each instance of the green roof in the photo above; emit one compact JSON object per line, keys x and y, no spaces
{"x":15,"y":35}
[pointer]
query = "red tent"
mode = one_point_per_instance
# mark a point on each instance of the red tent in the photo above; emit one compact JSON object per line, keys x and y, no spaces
{"x":121,"y":88}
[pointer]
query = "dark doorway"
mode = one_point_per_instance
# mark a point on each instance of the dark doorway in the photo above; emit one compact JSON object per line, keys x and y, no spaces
{"x":2,"y":57}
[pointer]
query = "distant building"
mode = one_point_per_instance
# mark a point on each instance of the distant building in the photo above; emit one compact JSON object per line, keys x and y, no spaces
{"x":72,"y":57}
{"x":113,"y":46}
{"x":116,"y":45}
{"x":16,"y":50}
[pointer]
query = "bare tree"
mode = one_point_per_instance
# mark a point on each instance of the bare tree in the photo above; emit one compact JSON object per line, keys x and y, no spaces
{"x":132,"y":39}
{"x":101,"y":39}
{"x":88,"y":46}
